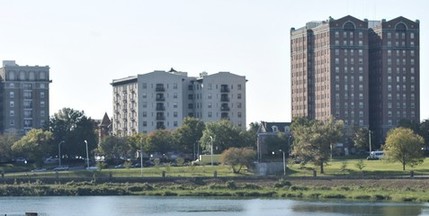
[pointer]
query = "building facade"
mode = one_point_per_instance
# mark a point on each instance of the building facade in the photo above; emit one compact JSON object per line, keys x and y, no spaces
{"x":162,"y":99}
{"x":25,"y":97}
{"x":340,"y":68}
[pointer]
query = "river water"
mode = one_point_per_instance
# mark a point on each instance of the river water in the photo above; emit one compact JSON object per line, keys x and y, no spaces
{"x":198,"y":206}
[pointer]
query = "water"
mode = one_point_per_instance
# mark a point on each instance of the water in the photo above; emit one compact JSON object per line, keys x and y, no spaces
{"x":198,"y":206}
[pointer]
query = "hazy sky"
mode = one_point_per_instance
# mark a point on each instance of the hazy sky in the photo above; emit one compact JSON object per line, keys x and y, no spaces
{"x":88,"y":43}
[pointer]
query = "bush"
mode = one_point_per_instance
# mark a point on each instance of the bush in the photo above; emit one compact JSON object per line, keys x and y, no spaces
{"x":282,"y":183}
{"x":231,"y":185}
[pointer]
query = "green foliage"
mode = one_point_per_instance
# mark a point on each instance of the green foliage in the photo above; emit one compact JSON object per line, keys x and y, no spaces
{"x":222,"y":135}
{"x":313,"y":139}
{"x":237,"y":158}
{"x":189,"y":134}
{"x":343,"y":167}
{"x":361,"y":139}
{"x":6,"y":142}
{"x":282,"y":183}
{"x":72,"y":127}
{"x":34,"y":145}
{"x":161,"y":141}
{"x":403,"y":145}
{"x":115,"y":147}
{"x":360,"y":165}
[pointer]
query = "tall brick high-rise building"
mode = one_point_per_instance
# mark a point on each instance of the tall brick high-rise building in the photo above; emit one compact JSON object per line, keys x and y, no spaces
{"x":365,"y":73}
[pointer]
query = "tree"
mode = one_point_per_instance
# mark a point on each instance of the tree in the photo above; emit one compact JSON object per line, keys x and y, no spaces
{"x":34,"y":145}
{"x":222,"y":135}
{"x":72,"y":127}
{"x":276,"y":143}
{"x":161,"y":141}
{"x":237,"y":158}
{"x":114,"y":147}
{"x":404,"y":146}
{"x":424,"y":132}
{"x":361,"y":139}
{"x":6,"y":142}
{"x":188,"y":135}
{"x":314,"y":140}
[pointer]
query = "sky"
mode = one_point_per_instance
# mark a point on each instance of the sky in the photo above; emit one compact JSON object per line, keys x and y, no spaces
{"x":88,"y":43}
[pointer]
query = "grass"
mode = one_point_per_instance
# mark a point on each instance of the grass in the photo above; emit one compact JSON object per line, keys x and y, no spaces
{"x":335,"y":167}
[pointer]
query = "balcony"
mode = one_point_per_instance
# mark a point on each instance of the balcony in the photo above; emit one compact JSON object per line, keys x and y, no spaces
{"x":160,"y":118}
{"x":160,"y":125}
{"x":160,"y":98}
{"x":224,"y":88}
{"x":160,"y":89}
{"x":160,"y":108}
{"x":224,"y":99}
{"x":224,"y":116}
{"x":224,"y":108}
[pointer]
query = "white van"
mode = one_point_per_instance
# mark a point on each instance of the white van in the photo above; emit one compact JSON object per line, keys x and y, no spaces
{"x":375,"y":155}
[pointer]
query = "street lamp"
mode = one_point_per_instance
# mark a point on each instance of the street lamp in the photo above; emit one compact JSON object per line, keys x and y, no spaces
{"x":211,"y":149}
{"x":59,"y":153}
{"x":284,"y":162}
{"x":369,"y":140}
{"x":87,"y":156}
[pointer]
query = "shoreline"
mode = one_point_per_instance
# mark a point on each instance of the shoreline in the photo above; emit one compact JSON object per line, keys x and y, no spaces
{"x":362,"y":189}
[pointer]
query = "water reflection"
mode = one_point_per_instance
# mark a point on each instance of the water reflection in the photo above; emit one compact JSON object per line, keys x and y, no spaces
{"x":198,"y":206}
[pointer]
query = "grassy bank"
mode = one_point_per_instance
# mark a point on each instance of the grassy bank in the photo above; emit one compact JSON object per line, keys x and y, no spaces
{"x":392,"y":190}
{"x":378,"y":180}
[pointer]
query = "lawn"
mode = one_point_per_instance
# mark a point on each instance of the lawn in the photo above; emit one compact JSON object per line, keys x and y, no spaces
{"x":336,"y":167}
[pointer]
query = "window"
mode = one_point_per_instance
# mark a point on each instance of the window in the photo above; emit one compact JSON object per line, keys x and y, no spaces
{"x":175,"y":124}
{"x":144,"y":104}
{"x":11,"y":94}
{"x":42,"y":113}
{"x":239,"y":114}
{"x":42,"y":94}
{"x":174,"y":85}
{"x":175,"y":114}
{"x":12,"y":122}
{"x":12,"y":104}
{"x":12,"y":113}
{"x":42,"y":103}
{"x":239,"y":96}
{"x":209,"y":105}
{"x":144,"y":114}
{"x":239,"y":87}
{"x":144,"y":123}
{"x":42,"y":85}
{"x":144,"y":85}
{"x":175,"y":95}
{"x":175,"y":105}
{"x":209,"y":114}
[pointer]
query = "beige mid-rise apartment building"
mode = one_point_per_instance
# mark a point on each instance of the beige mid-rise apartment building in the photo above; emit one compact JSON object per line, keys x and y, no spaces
{"x":365,"y":73}
{"x":25,"y":97}
{"x":162,"y":99}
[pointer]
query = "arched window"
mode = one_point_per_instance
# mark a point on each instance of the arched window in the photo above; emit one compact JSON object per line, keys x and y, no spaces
{"x":349,"y":26}
{"x":275,"y":128}
{"x":401,"y":27}
{"x":11,"y":75}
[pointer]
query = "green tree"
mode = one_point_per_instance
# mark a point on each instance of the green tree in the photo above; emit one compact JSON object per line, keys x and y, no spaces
{"x":314,"y":140}
{"x":361,"y":139}
{"x":276,"y":143}
{"x":72,"y":127}
{"x":404,"y":146}
{"x":238,"y":158}
{"x":424,"y":132}
{"x":114,"y":147}
{"x":161,"y":141}
{"x":189,"y":134}
{"x":34,"y":145}
{"x":222,"y":135}
{"x":6,"y":142}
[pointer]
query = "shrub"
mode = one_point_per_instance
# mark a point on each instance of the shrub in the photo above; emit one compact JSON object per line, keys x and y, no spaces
{"x":282,"y":183}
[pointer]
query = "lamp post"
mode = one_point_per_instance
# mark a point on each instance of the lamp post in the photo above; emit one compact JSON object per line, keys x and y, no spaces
{"x":59,"y":153}
{"x":141,"y":160}
{"x":211,"y":149}
{"x":369,"y":140}
{"x":284,"y":162}
{"x":87,"y":156}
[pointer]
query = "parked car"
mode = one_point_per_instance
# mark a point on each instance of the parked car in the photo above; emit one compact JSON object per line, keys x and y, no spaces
{"x":375,"y":155}
{"x":61,"y":168}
